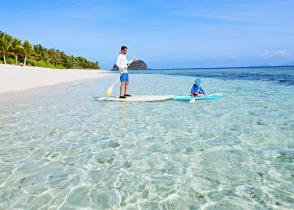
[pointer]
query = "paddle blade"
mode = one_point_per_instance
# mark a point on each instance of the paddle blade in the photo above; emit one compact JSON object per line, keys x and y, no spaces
{"x":192,"y":100}
{"x":109,"y":91}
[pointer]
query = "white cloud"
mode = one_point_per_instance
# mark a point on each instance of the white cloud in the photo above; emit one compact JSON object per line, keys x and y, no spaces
{"x":274,"y":54}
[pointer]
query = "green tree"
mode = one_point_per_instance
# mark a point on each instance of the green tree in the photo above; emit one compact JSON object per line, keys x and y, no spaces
{"x":17,"y":48}
{"x":5,"y":46}
{"x":27,"y":50}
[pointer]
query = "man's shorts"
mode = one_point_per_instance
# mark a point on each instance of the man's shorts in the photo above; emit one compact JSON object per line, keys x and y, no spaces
{"x":124,"y":77}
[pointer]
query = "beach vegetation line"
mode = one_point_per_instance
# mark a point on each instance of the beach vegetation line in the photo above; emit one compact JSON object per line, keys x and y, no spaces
{"x":14,"y":51}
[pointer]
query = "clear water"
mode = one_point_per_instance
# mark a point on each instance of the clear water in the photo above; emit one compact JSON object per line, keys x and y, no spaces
{"x":61,"y":149}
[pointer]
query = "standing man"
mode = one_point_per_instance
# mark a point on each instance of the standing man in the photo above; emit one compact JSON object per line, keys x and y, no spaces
{"x":122,"y":64}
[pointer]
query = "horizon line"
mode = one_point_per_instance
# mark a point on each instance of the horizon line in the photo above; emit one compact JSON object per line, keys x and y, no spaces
{"x":234,"y":67}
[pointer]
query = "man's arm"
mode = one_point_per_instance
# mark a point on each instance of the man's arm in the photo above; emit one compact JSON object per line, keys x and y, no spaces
{"x":118,"y":61}
{"x":131,"y":61}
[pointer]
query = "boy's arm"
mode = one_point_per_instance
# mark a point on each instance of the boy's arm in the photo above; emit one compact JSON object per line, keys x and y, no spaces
{"x":202,"y":90}
{"x":193,"y":89}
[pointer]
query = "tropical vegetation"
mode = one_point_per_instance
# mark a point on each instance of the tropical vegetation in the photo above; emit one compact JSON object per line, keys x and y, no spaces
{"x":14,"y":51}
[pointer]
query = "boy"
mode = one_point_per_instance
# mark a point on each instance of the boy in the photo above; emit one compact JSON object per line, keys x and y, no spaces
{"x":196,"y":89}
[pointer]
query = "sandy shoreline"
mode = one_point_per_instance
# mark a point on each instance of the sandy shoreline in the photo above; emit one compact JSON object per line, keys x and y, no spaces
{"x":16,"y":79}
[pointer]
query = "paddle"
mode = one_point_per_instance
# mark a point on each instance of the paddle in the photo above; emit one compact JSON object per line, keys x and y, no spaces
{"x":134,"y":57}
{"x":192,"y":100}
{"x":109,"y":90}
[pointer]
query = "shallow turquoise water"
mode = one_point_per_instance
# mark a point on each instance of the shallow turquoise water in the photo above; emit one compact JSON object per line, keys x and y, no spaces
{"x":61,"y":149}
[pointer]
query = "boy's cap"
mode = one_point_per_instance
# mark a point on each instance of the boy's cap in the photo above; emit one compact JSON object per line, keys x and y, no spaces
{"x":198,"y":81}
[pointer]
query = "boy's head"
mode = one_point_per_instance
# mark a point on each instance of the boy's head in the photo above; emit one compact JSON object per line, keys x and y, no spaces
{"x":197,"y":81}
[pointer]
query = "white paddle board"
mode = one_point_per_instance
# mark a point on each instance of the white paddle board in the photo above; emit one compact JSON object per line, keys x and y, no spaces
{"x":136,"y":98}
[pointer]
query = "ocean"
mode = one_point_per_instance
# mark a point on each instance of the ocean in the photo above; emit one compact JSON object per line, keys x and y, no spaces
{"x":62,"y":149}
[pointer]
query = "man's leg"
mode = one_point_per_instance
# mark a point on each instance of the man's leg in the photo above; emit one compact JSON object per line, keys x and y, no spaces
{"x":126,"y":87}
{"x":122,"y":87}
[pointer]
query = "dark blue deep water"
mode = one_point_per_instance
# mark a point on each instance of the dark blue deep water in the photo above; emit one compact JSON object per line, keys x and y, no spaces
{"x":282,"y":75}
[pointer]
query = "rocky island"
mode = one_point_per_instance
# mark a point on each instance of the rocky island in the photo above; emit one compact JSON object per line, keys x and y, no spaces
{"x":137,"y":65}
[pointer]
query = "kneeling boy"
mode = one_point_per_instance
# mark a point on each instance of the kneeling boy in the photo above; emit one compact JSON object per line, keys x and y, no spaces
{"x":196,"y":89}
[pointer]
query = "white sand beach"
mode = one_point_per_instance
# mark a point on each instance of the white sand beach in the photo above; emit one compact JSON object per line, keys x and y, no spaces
{"x":15,"y":78}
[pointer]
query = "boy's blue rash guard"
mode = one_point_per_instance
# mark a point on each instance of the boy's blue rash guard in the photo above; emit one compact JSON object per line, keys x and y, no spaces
{"x":196,"y":89}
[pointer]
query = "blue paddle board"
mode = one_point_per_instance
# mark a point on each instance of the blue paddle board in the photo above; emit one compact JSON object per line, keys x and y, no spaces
{"x":188,"y":98}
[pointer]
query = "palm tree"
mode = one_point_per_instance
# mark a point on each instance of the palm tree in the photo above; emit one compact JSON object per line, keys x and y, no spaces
{"x":27,"y":50}
{"x":5,"y":46}
{"x":55,"y":57}
{"x":44,"y":55}
{"x":38,"y":51}
{"x":17,"y":48}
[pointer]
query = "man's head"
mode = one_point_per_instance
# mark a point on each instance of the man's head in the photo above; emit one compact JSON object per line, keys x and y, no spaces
{"x":197,"y":82}
{"x":124,"y":50}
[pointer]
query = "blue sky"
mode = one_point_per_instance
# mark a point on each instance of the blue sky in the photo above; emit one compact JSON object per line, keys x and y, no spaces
{"x":165,"y":34}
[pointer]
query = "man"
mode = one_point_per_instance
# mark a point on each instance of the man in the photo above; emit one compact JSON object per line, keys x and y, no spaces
{"x":122,"y":64}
